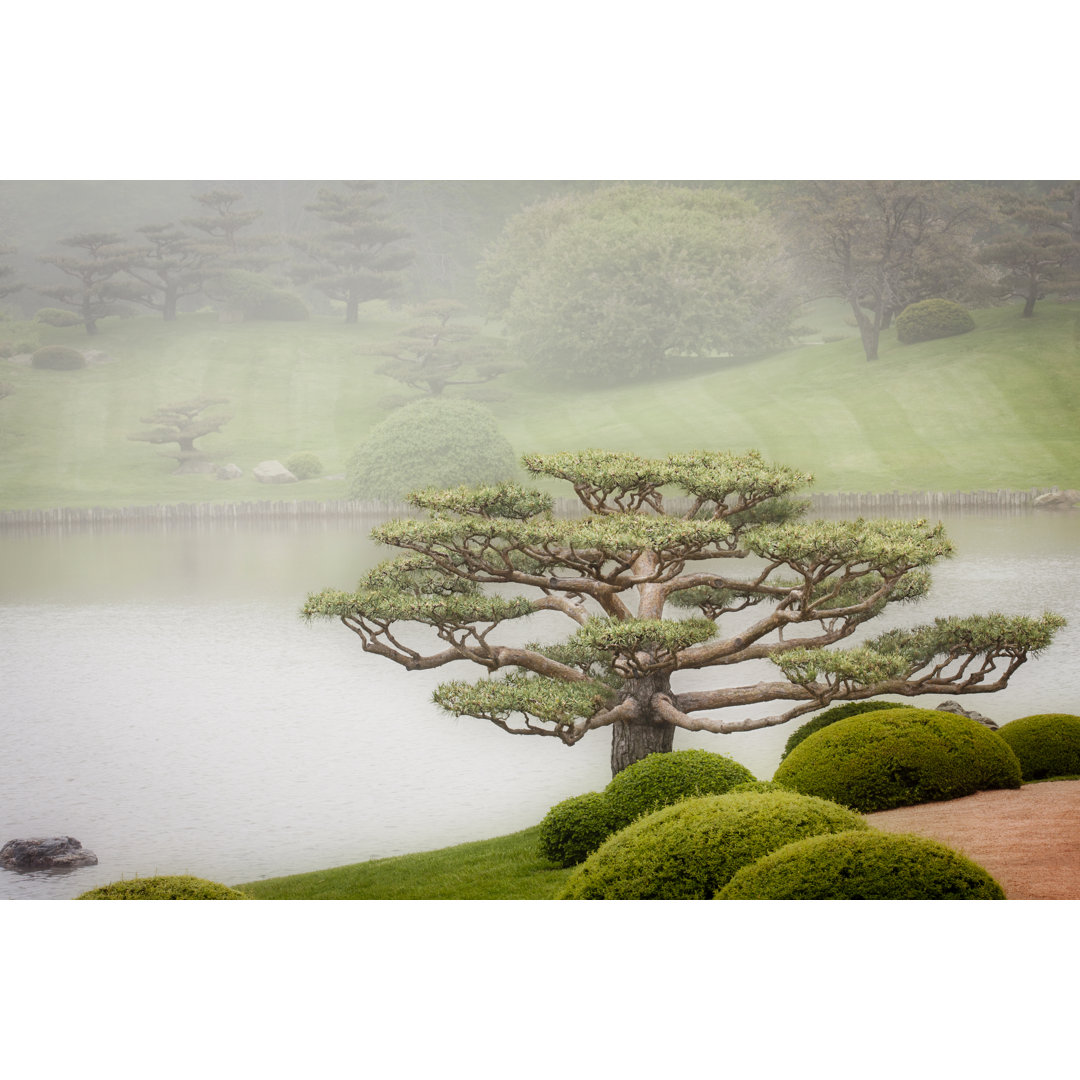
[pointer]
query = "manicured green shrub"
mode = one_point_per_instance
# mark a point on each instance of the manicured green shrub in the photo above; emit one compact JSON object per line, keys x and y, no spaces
{"x":166,"y":887}
{"x":830,"y":716}
{"x":758,"y":786}
{"x":58,"y":358}
{"x":433,"y":442}
{"x":899,"y":757}
{"x":868,"y":865}
{"x":256,"y":298}
{"x":931,"y":319}
{"x":1046,"y":745}
{"x":688,"y":851}
{"x":304,"y":465}
{"x":52,"y":316}
{"x":576,"y":827}
{"x":662,"y":779}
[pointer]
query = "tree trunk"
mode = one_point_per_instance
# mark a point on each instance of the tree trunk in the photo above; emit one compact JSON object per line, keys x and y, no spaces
{"x":1031,"y":297}
{"x":169,"y":304}
{"x":868,"y":331}
{"x":352,"y":307}
{"x":631,"y":740}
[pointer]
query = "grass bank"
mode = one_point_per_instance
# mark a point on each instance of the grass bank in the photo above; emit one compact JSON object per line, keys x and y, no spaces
{"x":995,"y":408}
{"x":506,"y":868}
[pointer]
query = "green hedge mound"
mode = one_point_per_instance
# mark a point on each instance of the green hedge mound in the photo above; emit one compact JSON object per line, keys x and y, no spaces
{"x":867,"y":865}
{"x":1046,"y":745}
{"x":304,"y":465}
{"x":58,"y":358}
{"x":663,"y":779}
{"x":899,"y":757}
{"x":830,"y":716}
{"x":168,"y":887}
{"x":690,"y":850}
{"x":430,"y":443}
{"x":931,"y":319}
{"x":573,"y":829}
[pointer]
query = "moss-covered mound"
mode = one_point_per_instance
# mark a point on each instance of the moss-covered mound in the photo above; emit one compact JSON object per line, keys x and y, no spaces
{"x":867,"y":865}
{"x":576,"y":827}
{"x":58,"y":358}
{"x":662,"y":779}
{"x":688,"y":851}
{"x":899,"y":757}
{"x":1046,"y":745}
{"x":167,"y":887}
{"x":830,"y":716}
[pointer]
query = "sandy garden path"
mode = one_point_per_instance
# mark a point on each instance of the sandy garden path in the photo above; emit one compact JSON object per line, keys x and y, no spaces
{"x":1029,"y":839}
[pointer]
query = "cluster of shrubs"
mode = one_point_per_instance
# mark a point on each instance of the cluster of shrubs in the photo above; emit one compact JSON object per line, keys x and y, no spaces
{"x":931,"y":319}
{"x":165,"y":887}
{"x":257,"y":299}
{"x":688,"y":825}
{"x":52,"y":316}
{"x":579,"y":825}
{"x":58,"y":358}
{"x":1046,"y":745}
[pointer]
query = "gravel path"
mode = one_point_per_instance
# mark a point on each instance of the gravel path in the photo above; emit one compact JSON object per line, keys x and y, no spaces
{"x":1029,"y":839}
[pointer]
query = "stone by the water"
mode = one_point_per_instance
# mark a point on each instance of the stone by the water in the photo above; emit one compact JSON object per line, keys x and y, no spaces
{"x":272,"y":472}
{"x":45,"y":853}
{"x":955,"y":707}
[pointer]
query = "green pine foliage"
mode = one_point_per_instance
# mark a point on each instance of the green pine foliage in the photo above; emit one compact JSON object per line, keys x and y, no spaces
{"x":1046,"y":745}
{"x":866,"y":865}
{"x":430,"y":443}
{"x":165,"y":887}
{"x":690,"y":850}
{"x":929,"y":320}
{"x":899,"y":757}
{"x":830,"y":716}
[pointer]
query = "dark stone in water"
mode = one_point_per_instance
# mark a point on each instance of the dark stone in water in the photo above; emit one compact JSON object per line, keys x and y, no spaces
{"x":45,"y":853}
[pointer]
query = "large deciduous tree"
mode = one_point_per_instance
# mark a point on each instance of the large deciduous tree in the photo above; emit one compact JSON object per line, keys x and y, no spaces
{"x":1037,"y":250}
{"x":97,"y":287}
{"x":361,"y":255}
{"x":616,"y":576}
{"x":619,"y":281}
{"x":880,"y":245}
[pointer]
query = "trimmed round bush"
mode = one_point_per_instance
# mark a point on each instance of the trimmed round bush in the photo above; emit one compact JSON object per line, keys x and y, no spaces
{"x":166,"y":887}
{"x":662,"y":779}
{"x":430,"y":443}
{"x":690,"y":850}
{"x":58,"y":358}
{"x":576,"y":827}
{"x":304,"y":465}
{"x":1046,"y":745}
{"x":53,"y":316}
{"x":931,"y":319}
{"x":899,"y":757}
{"x":830,"y":716}
{"x":868,"y":865}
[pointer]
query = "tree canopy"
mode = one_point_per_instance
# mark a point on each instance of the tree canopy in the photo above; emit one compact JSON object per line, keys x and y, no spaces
{"x":651,"y":588}
{"x":621,"y":280}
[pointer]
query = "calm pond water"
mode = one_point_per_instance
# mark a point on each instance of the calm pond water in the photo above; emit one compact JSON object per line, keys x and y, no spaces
{"x":164,"y":703}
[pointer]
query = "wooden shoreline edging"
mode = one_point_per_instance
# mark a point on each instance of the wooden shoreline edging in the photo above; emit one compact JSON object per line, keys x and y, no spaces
{"x":923,"y":503}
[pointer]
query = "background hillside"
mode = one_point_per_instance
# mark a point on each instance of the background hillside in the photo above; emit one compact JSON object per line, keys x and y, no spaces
{"x":996,"y":407}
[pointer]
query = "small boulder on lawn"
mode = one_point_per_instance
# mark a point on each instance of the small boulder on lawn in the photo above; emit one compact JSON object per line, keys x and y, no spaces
{"x":273,"y":472}
{"x":45,"y":853}
{"x":229,"y":472}
{"x":1057,"y":500}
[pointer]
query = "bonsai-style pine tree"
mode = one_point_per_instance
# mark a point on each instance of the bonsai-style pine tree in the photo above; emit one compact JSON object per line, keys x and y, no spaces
{"x":96,"y":289}
{"x":438,"y":352}
{"x":624,"y":576}
{"x":181,"y":423}
{"x":360,"y":255}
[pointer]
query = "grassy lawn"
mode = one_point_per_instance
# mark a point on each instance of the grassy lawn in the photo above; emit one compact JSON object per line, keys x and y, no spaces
{"x":993,"y":408}
{"x":506,"y":868}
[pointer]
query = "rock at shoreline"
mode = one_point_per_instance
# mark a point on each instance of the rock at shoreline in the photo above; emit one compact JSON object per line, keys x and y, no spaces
{"x":273,"y":472}
{"x":45,"y":853}
{"x":1057,"y":500}
{"x":954,"y":707}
